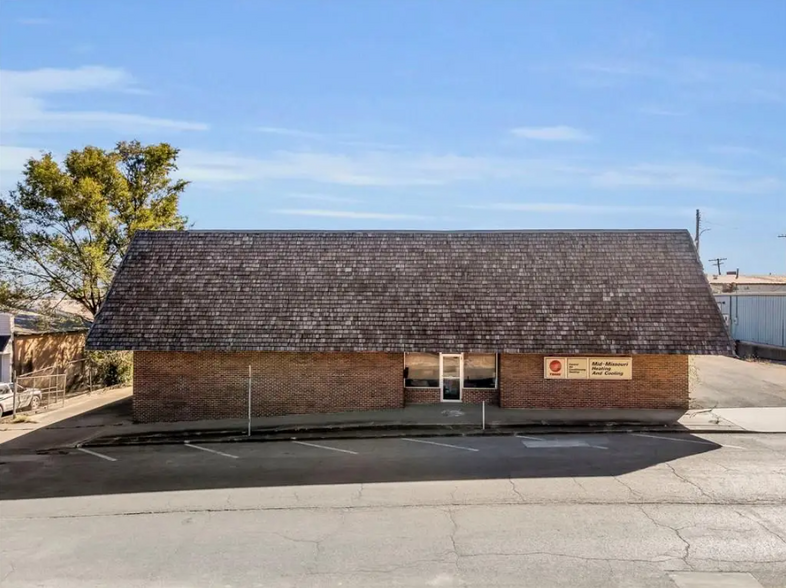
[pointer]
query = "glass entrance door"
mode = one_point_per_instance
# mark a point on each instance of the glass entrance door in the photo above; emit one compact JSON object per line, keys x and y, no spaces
{"x":451,"y":377}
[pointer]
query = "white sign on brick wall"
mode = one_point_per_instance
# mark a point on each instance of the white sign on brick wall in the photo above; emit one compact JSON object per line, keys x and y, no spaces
{"x":588,"y":368}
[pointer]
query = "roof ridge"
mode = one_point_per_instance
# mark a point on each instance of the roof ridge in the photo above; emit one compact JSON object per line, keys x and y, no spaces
{"x":406,"y":231}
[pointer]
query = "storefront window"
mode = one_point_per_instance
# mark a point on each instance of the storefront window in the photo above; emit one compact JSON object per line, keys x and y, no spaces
{"x":421,"y":370}
{"x":480,"y":370}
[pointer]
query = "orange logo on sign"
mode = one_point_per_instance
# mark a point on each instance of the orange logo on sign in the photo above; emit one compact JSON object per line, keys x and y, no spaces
{"x":555,"y":366}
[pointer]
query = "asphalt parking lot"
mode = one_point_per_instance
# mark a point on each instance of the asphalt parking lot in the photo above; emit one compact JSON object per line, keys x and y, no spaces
{"x":726,"y":382}
{"x":194,"y":465}
{"x":578,"y":511}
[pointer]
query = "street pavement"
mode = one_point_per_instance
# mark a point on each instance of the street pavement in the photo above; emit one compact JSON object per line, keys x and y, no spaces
{"x":611,"y":510}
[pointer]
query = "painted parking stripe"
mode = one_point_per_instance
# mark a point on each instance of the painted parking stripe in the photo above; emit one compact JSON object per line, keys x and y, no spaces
{"x":686,"y":440}
{"x":440,"y":444}
{"x":559,"y":444}
{"x":96,"y":454}
{"x":325,"y":447}
{"x":189,"y":444}
{"x":528,"y":437}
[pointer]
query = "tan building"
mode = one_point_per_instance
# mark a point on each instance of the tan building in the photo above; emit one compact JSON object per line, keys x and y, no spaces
{"x":49,"y":342}
{"x":753,"y":284}
{"x":308,"y":322}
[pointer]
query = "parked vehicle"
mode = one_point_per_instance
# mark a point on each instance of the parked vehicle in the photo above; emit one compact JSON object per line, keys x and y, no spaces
{"x":27,"y":398}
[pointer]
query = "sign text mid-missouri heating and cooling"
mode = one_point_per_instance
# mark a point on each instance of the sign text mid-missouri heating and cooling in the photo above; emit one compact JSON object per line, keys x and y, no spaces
{"x":588,"y":368}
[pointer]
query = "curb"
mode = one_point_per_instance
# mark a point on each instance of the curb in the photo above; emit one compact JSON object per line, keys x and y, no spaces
{"x":360,"y":432}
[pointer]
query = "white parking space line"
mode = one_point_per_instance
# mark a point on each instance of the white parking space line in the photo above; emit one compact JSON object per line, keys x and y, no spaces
{"x":189,"y":444}
{"x":559,"y":444}
{"x":440,"y":444}
{"x":95,"y":454}
{"x":685,"y":440}
{"x":528,"y":437}
{"x":325,"y":447}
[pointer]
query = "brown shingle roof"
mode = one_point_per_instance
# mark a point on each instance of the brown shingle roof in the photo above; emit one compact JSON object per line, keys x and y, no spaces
{"x":514,"y":291}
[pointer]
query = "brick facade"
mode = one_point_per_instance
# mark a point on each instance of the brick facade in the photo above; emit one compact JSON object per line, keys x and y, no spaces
{"x":182,"y":386}
{"x":659,"y":381}
{"x":171,"y":386}
{"x":434,"y":395}
{"x":422,"y":395}
{"x":478,"y":395}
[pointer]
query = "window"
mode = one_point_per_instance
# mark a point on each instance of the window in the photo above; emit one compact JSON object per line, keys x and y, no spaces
{"x":421,"y":370}
{"x":480,"y":370}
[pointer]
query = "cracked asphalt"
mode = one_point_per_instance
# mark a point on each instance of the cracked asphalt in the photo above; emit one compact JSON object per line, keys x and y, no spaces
{"x":621,"y":510}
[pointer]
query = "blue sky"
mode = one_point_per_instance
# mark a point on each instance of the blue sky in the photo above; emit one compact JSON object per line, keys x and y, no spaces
{"x":424,"y":115}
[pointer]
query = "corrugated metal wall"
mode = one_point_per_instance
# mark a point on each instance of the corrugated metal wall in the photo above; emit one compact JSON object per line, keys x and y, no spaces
{"x":758,"y":318}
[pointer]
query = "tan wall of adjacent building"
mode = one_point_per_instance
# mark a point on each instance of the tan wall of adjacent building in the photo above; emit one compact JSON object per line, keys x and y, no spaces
{"x":45,"y":350}
{"x":658,"y":381}
{"x":171,"y":386}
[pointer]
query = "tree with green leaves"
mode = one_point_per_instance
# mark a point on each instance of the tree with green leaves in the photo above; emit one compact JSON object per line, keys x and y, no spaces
{"x":65,"y":229}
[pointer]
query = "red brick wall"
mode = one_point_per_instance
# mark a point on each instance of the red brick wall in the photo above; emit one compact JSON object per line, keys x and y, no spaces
{"x":170,"y":386}
{"x":433,"y":395}
{"x":478,"y":395}
{"x":659,"y":381}
{"x":422,"y":395}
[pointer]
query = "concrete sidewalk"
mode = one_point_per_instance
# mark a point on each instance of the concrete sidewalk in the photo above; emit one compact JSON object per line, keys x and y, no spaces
{"x":443,"y":419}
{"x":759,"y":420}
{"x":94,"y":421}
{"x":78,"y":413}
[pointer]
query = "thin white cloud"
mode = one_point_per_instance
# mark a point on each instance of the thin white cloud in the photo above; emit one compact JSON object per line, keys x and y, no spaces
{"x":25,"y":97}
{"x":556,"y":133}
{"x":383,"y":168}
{"x":348,"y":140}
{"x":323,"y":198}
{"x":684,"y":177}
{"x":12,"y":162}
{"x":659,"y":111}
{"x":347,"y":214}
{"x":701,"y":78}
{"x":618,"y":68}
{"x":370,"y":168}
{"x":285,"y":132}
{"x":83,"y":48}
{"x":13,"y":158}
{"x":572,"y":207}
{"x":732,"y":150}
{"x":34,"y":22}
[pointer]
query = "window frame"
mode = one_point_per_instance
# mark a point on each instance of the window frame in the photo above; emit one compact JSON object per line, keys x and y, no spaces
{"x":496,"y":372}
{"x":439,"y":387}
{"x":439,"y":368}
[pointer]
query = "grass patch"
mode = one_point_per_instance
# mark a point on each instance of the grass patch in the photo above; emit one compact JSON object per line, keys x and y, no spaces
{"x":23,"y":418}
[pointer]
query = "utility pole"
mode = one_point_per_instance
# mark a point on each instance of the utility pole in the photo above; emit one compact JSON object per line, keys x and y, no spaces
{"x":718,"y":261}
{"x":699,"y":230}
{"x":782,"y":236}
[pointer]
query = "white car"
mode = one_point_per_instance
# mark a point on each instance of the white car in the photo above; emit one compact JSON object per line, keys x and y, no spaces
{"x":27,"y":398}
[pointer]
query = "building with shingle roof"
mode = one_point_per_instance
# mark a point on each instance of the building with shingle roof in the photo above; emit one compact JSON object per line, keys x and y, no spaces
{"x":353,"y":320}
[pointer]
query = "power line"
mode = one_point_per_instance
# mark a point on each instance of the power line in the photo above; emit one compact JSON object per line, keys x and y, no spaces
{"x":718,"y":261}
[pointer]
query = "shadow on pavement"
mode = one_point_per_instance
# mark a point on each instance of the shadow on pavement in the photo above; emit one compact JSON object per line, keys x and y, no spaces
{"x":72,"y":429}
{"x":162,"y":468}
